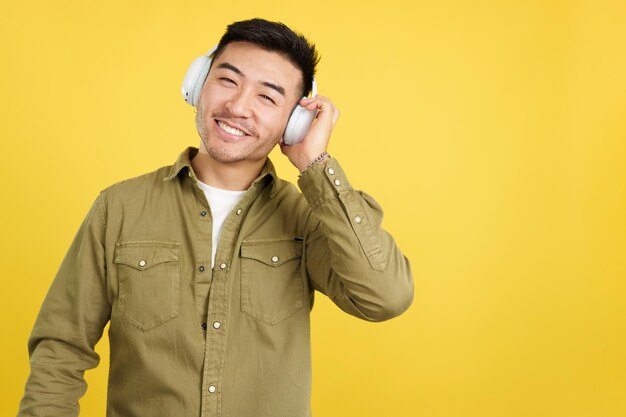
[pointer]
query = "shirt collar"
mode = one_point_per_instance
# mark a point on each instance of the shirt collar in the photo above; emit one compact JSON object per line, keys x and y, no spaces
{"x":268,"y":173}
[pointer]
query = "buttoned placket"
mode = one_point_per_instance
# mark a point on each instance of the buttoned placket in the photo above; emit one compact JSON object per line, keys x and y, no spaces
{"x":214,"y":282}
{"x":216,"y":321}
{"x":205,"y":279}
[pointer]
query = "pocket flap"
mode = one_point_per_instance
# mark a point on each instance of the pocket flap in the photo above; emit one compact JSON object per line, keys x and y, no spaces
{"x":271,"y":252}
{"x":146,"y":254}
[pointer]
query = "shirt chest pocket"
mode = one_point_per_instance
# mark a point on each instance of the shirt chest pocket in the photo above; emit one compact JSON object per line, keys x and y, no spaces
{"x":272,"y":286}
{"x":149,"y":282}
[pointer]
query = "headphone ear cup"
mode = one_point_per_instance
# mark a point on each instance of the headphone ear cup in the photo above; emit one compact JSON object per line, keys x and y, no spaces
{"x":298,"y":125}
{"x":194,"y":79}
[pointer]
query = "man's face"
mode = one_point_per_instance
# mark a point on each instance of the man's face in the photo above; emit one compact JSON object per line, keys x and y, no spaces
{"x":246,"y":101}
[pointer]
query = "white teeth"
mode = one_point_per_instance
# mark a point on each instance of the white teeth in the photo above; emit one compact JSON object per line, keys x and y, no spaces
{"x":230,"y":130}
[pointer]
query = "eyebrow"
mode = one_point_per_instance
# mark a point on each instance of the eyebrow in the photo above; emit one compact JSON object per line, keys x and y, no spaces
{"x":236,"y":70}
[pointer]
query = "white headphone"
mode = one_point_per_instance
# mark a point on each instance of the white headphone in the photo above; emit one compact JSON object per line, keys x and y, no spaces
{"x":299,"y":121}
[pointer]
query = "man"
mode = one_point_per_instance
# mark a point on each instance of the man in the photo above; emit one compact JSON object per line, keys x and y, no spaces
{"x":206,"y":269}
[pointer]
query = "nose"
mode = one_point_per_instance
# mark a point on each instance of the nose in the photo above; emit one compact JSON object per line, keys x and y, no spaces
{"x":240,"y":104}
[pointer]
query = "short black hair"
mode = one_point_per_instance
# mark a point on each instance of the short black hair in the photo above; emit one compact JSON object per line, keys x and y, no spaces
{"x":275,"y":37}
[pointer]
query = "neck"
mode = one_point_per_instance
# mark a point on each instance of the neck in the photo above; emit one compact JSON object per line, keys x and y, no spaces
{"x":233,"y":176}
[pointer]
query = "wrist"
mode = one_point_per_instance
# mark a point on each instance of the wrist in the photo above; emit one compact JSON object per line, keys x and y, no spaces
{"x":320,"y":159}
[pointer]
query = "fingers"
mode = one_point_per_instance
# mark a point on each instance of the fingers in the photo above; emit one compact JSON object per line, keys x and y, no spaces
{"x":327,"y":115}
{"x":326,"y":109}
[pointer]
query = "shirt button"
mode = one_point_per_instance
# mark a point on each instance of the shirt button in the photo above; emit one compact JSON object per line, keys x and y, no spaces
{"x":212,"y":389}
{"x":358,"y":219}
{"x":274,"y":259}
{"x":203,"y":326}
{"x":331,"y":171}
{"x":337,"y":183}
{"x":223,"y":266}
{"x":217,"y":324}
{"x":203,"y":213}
{"x":201,"y":268}
{"x":142,"y":263}
{"x":238,"y":212}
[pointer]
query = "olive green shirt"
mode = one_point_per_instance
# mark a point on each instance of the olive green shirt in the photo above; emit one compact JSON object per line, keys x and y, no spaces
{"x":190,"y":340}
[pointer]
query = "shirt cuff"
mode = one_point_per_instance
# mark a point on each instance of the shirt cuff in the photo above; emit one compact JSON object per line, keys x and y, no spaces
{"x":323,"y":182}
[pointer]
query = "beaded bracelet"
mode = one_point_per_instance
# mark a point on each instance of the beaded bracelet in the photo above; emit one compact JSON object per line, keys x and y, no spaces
{"x":317,"y":160}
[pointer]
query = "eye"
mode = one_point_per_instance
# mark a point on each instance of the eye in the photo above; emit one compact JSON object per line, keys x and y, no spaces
{"x":267,"y":98}
{"x":227,"y":80}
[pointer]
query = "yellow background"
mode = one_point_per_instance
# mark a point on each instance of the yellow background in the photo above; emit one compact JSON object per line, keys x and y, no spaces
{"x":493,"y":133}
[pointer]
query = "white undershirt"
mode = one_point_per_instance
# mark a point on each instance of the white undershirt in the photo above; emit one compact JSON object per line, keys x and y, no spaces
{"x":221,"y":203}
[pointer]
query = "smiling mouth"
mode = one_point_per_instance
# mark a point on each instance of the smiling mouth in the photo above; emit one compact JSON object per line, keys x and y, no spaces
{"x":231,"y":130}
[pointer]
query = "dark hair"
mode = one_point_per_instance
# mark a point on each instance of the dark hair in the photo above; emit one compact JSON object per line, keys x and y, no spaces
{"x":275,"y":37}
